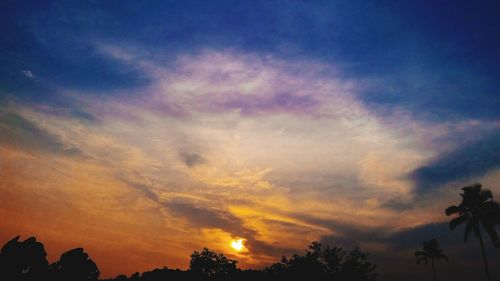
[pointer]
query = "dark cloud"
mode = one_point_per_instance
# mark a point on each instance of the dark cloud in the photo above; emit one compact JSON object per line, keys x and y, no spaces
{"x":287,"y":226}
{"x":396,"y":240}
{"x":345,"y":242}
{"x":144,"y":189}
{"x":197,"y":215}
{"x":413,"y":237}
{"x":17,"y":131}
{"x":204,"y":217}
{"x":344,"y":230}
{"x":399,"y":205}
{"x":452,"y":241}
{"x":200,"y":216}
{"x":193,"y":159}
{"x":471,"y":160}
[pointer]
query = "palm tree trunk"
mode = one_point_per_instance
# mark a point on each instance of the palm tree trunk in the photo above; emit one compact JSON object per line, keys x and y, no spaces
{"x":484,"y":255}
{"x":433,"y":270}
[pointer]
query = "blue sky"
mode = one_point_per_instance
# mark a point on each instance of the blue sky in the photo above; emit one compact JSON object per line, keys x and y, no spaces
{"x":182,"y":103}
{"x":420,"y":54}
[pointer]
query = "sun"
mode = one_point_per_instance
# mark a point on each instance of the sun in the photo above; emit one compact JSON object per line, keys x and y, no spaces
{"x":237,"y":245}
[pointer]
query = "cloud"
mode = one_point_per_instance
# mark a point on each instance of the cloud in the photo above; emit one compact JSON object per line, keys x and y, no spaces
{"x":283,"y":128}
{"x":192,"y":160}
{"x":28,"y":73}
{"x":17,"y":131}
{"x":223,"y":145}
{"x":203,"y":217}
{"x":471,"y":160}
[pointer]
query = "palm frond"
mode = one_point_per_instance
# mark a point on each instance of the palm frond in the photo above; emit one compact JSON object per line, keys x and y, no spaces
{"x":457,"y":221}
{"x":485,"y":195}
{"x":491,"y":211}
{"x":452,"y":210}
{"x":472,"y":189}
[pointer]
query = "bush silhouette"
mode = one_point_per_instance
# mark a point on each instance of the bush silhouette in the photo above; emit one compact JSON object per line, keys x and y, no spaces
{"x":210,"y":264}
{"x":24,"y":260}
{"x":75,"y":265}
{"x":326,"y":263}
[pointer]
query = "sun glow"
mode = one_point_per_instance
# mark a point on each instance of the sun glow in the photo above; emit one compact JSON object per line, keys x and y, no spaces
{"x":237,"y":245}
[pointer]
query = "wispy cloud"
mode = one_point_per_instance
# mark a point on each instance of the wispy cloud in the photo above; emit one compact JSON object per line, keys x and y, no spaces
{"x":466,"y":162}
{"x":28,"y":73}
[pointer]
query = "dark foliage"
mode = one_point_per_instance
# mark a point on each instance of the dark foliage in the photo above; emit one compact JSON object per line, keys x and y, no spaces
{"x":318,"y":263}
{"x":431,"y":252}
{"x":477,"y":211}
{"x":208,"y":264}
{"x":74,"y":265}
{"x":26,"y":261}
{"x":325,"y":263}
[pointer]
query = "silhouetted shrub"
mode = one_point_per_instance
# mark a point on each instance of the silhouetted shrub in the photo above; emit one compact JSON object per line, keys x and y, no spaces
{"x":209,"y":264}
{"x":325,"y":263}
{"x":24,"y":260}
{"x":75,"y":265}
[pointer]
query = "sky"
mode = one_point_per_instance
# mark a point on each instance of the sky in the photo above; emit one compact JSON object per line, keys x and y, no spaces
{"x":145,"y":130}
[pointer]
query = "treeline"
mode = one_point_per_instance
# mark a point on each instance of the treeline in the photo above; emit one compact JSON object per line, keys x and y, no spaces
{"x":26,"y":261}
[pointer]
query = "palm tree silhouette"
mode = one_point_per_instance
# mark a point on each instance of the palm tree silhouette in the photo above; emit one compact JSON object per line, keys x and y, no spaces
{"x":477,"y":209}
{"x":431,"y":252}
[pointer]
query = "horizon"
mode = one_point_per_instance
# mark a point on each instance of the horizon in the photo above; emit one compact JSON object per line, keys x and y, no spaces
{"x":143,"y":131}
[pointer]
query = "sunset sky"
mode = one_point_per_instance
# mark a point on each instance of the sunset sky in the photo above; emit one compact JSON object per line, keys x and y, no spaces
{"x":145,"y":130}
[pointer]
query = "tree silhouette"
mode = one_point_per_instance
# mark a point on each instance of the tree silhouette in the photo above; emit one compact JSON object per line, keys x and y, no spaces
{"x":74,"y":265}
{"x":430,"y":251}
{"x":24,"y":260}
{"x":477,"y":209}
{"x":325,"y":263}
{"x":210,"y":264}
